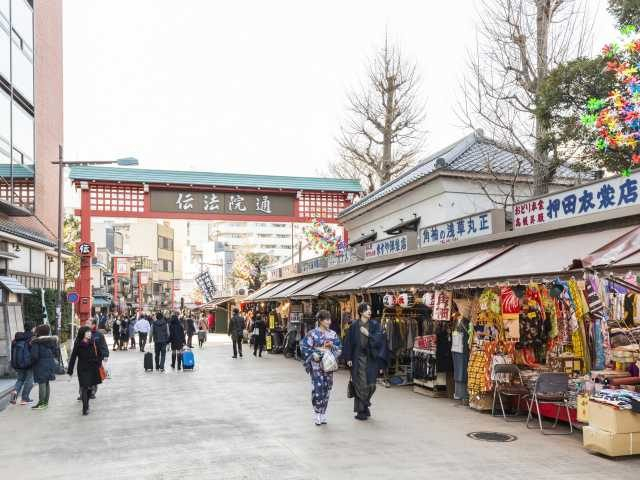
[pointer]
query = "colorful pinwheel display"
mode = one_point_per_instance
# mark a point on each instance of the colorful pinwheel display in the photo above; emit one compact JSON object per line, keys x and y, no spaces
{"x":323,"y":239}
{"x":616,"y":118}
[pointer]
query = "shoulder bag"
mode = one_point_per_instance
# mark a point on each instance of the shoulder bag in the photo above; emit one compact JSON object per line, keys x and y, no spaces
{"x":101,"y":371}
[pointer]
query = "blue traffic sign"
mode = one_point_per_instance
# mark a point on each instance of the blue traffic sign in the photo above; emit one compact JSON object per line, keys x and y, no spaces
{"x":73,"y":297}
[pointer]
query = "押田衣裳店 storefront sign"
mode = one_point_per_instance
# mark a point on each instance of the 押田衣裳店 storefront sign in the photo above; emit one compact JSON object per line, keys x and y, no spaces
{"x":604,"y":196}
{"x":464,"y":228}
{"x":216,"y":202}
{"x":388,"y":246}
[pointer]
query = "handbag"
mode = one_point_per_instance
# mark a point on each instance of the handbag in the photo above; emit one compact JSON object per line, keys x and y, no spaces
{"x":351,"y":389}
{"x":329,"y":363}
{"x":101,"y":371}
{"x":256,"y":331}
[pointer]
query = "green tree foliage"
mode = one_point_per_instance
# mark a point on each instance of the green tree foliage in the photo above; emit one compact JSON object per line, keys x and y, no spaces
{"x":250,"y":269}
{"x":71,"y":235}
{"x":32,"y":309}
{"x":626,"y":12}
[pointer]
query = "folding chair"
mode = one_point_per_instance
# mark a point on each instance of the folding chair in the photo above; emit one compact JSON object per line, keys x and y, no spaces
{"x":551,"y":388}
{"x":504,"y":375}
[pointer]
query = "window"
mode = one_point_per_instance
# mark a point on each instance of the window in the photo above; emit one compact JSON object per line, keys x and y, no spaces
{"x":165,"y":243}
{"x":22,"y":48}
{"x":5,"y":43}
{"x":5,"y":127}
{"x":166,"y":265}
{"x":22,"y":136}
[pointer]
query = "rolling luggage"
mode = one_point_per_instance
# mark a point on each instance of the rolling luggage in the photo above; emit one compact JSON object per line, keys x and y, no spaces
{"x":188,"y":360}
{"x":148,"y":362}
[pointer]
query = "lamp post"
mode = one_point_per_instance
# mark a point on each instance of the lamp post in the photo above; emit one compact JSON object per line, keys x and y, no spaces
{"x":123,"y":162}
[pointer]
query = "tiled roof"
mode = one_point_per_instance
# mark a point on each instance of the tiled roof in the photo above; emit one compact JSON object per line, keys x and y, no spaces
{"x":137,"y":175}
{"x":19,"y":171}
{"x":472,"y":153}
{"x":13,"y":228}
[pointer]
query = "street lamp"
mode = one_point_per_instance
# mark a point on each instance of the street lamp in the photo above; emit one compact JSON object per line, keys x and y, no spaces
{"x":123,"y":162}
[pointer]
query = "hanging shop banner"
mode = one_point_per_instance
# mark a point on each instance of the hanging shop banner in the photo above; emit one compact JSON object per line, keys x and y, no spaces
{"x":388,"y":246}
{"x":464,"y":228}
{"x":121,"y":266}
{"x":144,"y":278}
{"x":604,"y":196}
{"x":205,"y":283}
{"x":216,"y":202}
{"x":442,"y":305}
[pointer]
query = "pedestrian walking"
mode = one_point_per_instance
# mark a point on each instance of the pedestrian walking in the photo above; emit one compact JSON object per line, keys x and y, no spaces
{"x":132,"y":332}
{"x":259,"y":334}
{"x":176,"y":338}
{"x":211,"y":322}
{"x":365,"y":351}
{"x":116,"y":333}
{"x":44,"y":351}
{"x":191,"y":330}
{"x":160,"y":332}
{"x":89,"y":358}
{"x":97,"y":337}
{"x":236,"y":329}
{"x":142,"y":326}
{"x":320,"y":342}
{"x":124,"y":334}
{"x":102,"y":322}
{"x":22,"y":363}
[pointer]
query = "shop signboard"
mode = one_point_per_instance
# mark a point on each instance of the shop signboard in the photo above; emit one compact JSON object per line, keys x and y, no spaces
{"x":185,"y":201}
{"x":388,"y":246}
{"x":442,"y":305}
{"x":122,"y":266}
{"x":464,"y":228}
{"x":603,"y":196}
{"x":350,"y":255}
{"x":313,"y":264}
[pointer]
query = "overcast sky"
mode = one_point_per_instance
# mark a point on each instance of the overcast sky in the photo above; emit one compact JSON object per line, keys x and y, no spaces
{"x":248,"y":86}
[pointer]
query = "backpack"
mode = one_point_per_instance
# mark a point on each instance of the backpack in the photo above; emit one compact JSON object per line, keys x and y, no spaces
{"x":21,"y":358}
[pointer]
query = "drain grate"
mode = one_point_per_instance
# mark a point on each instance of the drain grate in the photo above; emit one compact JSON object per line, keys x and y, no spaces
{"x":492,"y":436}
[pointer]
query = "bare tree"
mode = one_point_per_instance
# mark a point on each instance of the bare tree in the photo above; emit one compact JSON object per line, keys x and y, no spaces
{"x":520,"y":43}
{"x":382,"y":136}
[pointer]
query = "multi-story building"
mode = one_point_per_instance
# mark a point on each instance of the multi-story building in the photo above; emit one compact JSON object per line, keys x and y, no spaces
{"x":30,"y":139}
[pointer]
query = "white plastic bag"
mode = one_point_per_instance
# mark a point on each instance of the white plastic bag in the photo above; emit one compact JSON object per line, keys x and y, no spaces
{"x":329,"y":363}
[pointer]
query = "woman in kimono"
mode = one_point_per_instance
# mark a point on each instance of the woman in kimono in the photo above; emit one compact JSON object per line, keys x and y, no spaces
{"x":365,"y":352}
{"x":317,"y":343}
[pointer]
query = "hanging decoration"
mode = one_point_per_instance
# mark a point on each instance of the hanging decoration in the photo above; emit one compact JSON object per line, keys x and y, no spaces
{"x":323,"y":239}
{"x":616,"y":119}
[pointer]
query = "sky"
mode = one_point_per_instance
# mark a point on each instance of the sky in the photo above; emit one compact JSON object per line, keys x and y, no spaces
{"x":249,"y":86}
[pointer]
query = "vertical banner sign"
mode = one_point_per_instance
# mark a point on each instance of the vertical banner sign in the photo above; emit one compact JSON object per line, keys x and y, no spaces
{"x":205,"y":283}
{"x":605,"y":196}
{"x":442,"y":305}
{"x":122,"y":266}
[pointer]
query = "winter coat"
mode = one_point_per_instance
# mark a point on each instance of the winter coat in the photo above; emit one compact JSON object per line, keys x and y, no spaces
{"x":44,"y":352}
{"x":191,"y":326}
{"x":116,"y":329}
{"x":236,"y":326}
{"x":176,"y":334}
{"x":377,"y":349}
{"x":262,"y":331}
{"x":124,"y":330}
{"x":132,"y":327}
{"x":88,"y":356}
{"x":160,"y":331}
{"x":26,"y":336}
{"x":101,"y":343}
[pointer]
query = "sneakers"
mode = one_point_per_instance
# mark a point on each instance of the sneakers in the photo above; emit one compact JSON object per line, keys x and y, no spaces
{"x":323,"y":418}
{"x":25,"y":402}
{"x":40,"y":406}
{"x":317,"y":419}
{"x":14,"y":397}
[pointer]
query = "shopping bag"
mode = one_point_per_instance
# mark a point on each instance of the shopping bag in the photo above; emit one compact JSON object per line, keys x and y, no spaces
{"x":329,"y":363}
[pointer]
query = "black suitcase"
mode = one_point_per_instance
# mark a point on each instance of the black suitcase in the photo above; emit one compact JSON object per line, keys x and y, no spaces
{"x":148,"y":362}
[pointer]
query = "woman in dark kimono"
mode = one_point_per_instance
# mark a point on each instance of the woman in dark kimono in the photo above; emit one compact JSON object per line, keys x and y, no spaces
{"x":365,"y":352}
{"x":259,"y":335}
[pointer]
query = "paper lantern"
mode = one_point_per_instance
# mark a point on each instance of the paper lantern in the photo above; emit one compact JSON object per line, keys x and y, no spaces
{"x":389,"y":301}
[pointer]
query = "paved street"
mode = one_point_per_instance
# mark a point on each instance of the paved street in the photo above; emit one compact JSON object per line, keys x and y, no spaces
{"x":251,"y":419}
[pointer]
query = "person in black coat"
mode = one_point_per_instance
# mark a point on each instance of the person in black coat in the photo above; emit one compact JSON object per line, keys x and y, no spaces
{"x":116,"y":334}
{"x":44,"y":351}
{"x":191,"y":330}
{"x":176,"y":338}
{"x":89,"y":358}
{"x":259,"y":334}
{"x":124,"y":334}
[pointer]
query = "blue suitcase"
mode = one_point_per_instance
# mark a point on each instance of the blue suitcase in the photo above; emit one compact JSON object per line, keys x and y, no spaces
{"x":188,"y":360}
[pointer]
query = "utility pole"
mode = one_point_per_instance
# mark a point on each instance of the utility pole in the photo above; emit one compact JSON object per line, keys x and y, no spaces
{"x":59,"y":252}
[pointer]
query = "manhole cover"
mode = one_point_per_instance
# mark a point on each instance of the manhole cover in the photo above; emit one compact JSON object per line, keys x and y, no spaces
{"x":492,"y":436}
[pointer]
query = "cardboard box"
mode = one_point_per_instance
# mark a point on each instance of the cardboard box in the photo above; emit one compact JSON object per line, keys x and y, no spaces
{"x":610,"y":419}
{"x":610,"y":444}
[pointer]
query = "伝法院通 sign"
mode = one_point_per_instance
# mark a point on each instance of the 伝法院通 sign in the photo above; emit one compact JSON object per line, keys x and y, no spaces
{"x":221,"y":203}
{"x":604,"y":196}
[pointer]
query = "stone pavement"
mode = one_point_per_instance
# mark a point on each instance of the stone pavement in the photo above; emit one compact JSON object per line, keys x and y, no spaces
{"x":251,"y":419}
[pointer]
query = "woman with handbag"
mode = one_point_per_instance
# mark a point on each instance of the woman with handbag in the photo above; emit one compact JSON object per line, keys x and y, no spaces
{"x":365,"y":351}
{"x":259,"y":335}
{"x":89,"y":368}
{"x":321,"y":349}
